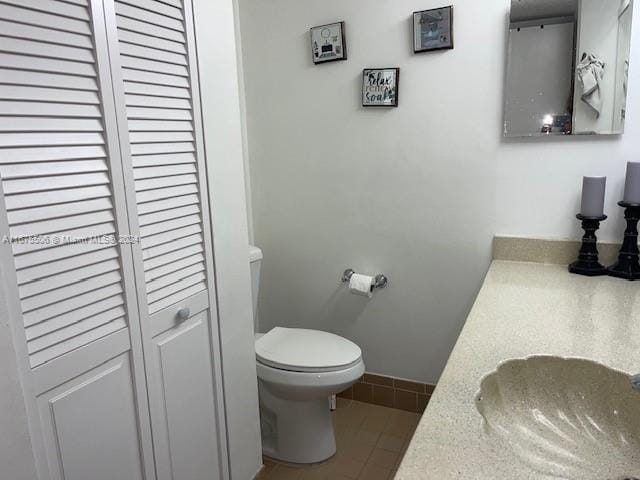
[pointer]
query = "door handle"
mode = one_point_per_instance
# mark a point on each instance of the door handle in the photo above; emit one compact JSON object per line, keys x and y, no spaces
{"x":183,"y":314}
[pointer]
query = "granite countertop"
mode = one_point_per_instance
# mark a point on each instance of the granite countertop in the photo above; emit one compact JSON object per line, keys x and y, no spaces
{"x":523,"y":309}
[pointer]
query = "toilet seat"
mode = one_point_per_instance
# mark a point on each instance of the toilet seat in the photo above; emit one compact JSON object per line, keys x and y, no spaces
{"x":310,"y":351}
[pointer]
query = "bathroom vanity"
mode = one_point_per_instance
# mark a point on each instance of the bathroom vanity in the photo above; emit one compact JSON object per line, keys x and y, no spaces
{"x":529,"y":310}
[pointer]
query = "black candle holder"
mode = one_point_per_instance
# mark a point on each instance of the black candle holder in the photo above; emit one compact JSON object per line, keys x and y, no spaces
{"x":628,"y":266}
{"x":588,"y":263}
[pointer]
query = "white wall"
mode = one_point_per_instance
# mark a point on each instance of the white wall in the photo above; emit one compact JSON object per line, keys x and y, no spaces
{"x":381,"y":191}
{"x":415,"y":192}
{"x":215,"y":29}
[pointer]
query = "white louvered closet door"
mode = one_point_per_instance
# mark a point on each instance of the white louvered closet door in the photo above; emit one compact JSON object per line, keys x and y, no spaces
{"x":154,"y":64}
{"x":71,"y":294}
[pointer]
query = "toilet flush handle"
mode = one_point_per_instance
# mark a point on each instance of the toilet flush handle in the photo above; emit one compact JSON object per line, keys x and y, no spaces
{"x":183,"y":314}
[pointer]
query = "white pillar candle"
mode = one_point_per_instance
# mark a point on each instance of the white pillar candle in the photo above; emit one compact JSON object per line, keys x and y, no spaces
{"x":632,"y":185}
{"x":593,"y":190}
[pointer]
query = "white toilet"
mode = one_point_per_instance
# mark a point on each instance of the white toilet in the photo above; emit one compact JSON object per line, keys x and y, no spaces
{"x":297,"y":371}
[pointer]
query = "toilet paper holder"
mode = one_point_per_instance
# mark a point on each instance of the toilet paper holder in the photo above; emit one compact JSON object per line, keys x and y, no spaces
{"x":379,"y":281}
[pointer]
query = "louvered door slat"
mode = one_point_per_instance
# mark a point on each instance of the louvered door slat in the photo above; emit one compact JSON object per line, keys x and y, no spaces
{"x":57,"y":211}
{"x":79,"y":235}
{"x":84,"y":3}
{"x":162,"y":238}
{"x":48,"y":298}
{"x":138,"y":113}
{"x":47,"y":20}
{"x":157,"y":102}
{"x":161,"y":182}
{"x":146,"y":65}
{"x":127,"y":23}
{"x":21,"y":84}
{"x":168,"y":226}
{"x":143,"y":40}
{"x":167,"y":204}
{"x":74,"y":317}
{"x":148,"y":17}
{"x":56,"y":7}
{"x":172,"y":3}
{"x":158,"y":7}
{"x":35,"y":97}
{"x":62,"y":334}
{"x":163,"y":215}
{"x":67,"y":278}
{"x":153,"y":78}
{"x":160,"y":301}
{"x":161,"y":160}
{"x":45,"y":124}
{"x":43,"y":64}
{"x":173,"y":288}
{"x":160,"y":126}
{"x":181,"y":244}
{"x":54,"y":169}
{"x":160,"y":148}
{"x":62,"y":225}
{"x":164,"y":193}
{"x":132,"y":52}
{"x":19,"y":30}
{"x":28,"y":155}
{"x":47,"y":198}
{"x":22,"y":170}
{"x":164,"y":171}
{"x":175,"y":276}
{"x":49,"y":139}
{"x":43,"y":49}
{"x":66,"y":306}
{"x":41,"y":265}
{"x":78,"y":341}
{"x":156,"y":90}
{"x":166,"y":136}
{"x":161,"y":266}
{"x":165,"y":251}
{"x":106,"y":309}
{"x":58,"y":182}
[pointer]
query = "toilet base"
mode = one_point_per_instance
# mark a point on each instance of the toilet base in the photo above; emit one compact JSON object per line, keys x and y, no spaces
{"x":296,"y":431}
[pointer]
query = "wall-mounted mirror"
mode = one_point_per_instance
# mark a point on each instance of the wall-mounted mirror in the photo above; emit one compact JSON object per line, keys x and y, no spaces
{"x":567,"y":67}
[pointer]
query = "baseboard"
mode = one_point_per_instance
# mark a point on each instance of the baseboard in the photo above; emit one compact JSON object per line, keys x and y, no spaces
{"x":390,"y":392}
{"x":557,"y":252}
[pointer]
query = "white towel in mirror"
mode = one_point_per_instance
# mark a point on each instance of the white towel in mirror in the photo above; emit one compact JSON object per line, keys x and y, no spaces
{"x":591,"y":72}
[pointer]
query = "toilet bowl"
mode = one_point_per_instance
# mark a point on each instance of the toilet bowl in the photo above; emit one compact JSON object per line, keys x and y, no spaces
{"x":298,"y":370}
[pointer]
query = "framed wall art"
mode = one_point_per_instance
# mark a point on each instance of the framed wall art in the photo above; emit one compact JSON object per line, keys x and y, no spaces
{"x":328,"y":43}
{"x":380,"y":87}
{"x":433,"y":30}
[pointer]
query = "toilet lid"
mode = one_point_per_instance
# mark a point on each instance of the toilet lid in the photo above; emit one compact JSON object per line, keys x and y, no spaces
{"x":300,"y":350}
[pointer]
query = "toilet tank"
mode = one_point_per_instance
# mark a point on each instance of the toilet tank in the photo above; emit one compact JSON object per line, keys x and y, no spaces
{"x":255,"y":261}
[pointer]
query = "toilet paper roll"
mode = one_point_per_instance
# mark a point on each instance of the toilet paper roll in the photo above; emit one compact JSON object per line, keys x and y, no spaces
{"x":361,"y":285}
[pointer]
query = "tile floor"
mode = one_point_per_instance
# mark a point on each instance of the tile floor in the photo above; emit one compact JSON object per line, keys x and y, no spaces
{"x":371,"y":441}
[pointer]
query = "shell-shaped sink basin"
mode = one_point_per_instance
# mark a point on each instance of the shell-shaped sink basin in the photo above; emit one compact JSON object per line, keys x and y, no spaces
{"x":564,"y":418}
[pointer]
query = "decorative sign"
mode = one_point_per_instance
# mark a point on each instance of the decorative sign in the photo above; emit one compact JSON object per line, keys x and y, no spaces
{"x":328,"y":43}
{"x":380,"y":87}
{"x":433,"y":30}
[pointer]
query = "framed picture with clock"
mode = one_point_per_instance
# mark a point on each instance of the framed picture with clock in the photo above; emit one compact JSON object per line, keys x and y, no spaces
{"x":328,"y":43}
{"x":433,"y":30}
